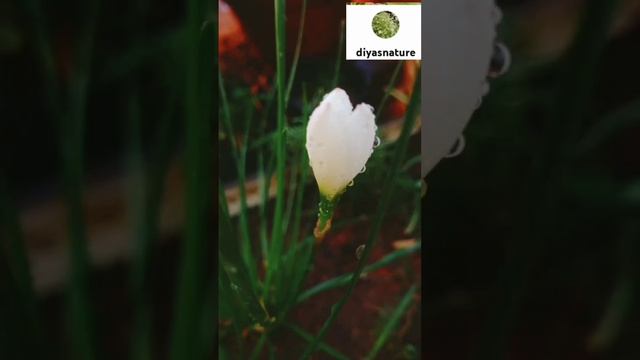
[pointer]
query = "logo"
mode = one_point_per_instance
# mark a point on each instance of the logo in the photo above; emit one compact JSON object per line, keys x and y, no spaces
{"x":383,"y":31}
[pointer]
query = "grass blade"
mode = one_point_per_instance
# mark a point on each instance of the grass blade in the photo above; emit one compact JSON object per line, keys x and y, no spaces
{"x":22,"y":337}
{"x":343,"y":280}
{"x":199,"y":90}
{"x":392,"y":323}
{"x":239,"y":156}
{"x":72,"y":125}
{"x":304,"y":173}
{"x":389,"y":89}
{"x":322,"y":346}
{"x":627,"y":116}
{"x":230,"y":258}
{"x":277,"y":239}
{"x":148,"y":225}
{"x":296,"y":56}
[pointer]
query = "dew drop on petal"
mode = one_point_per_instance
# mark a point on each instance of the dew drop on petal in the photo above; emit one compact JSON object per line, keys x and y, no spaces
{"x":364,"y":168}
{"x":350,"y":183}
{"x":500,"y":61}
{"x":458,"y":147}
{"x":377,"y":142}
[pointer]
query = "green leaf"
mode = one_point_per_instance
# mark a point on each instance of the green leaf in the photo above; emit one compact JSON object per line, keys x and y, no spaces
{"x":392,"y":323}
{"x":231,"y":262}
{"x":343,"y":280}
{"x":322,"y":346}
{"x":194,"y":276}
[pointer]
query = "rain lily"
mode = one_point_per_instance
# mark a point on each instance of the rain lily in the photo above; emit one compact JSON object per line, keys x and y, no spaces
{"x":340,"y":140}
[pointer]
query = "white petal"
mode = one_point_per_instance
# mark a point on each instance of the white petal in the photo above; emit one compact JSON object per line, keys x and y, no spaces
{"x":457,"y":69}
{"x":339,"y":141}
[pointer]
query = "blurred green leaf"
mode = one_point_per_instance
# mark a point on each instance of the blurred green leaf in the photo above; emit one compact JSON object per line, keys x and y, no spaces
{"x":343,"y":280}
{"x":621,"y":119}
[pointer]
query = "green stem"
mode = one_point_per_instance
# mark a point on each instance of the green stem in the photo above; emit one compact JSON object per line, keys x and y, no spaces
{"x":304,"y":173}
{"x":72,"y":137}
{"x":296,"y":56}
{"x":336,"y":74}
{"x":194,"y":275}
{"x":276,"y":235}
{"x":325,"y":214}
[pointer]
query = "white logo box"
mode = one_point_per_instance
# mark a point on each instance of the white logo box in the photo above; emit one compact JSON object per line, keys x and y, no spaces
{"x":360,"y":35}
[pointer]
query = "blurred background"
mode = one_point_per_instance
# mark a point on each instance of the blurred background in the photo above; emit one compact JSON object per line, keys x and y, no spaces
{"x":532,"y":235}
{"x":97,"y":219}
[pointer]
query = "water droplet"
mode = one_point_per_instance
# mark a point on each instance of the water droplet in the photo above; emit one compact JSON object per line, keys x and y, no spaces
{"x":364,"y":168}
{"x":350,"y":183}
{"x":458,"y":147}
{"x":360,"y":251}
{"x":500,"y":61}
{"x":496,"y":15}
{"x":485,"y":88}
{"x":377,"y":142}
{"x":230,"y":268}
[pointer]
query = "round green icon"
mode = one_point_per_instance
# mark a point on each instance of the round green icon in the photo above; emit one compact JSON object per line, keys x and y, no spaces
{"x":385,"y":24}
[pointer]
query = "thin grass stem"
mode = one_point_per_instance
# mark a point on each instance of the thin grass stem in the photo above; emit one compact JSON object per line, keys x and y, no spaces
{"x":276,"y":235}
{"x":392,"y":323}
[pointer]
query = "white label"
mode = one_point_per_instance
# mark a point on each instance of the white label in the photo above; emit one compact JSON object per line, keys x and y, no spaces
{"x":398,"y":32}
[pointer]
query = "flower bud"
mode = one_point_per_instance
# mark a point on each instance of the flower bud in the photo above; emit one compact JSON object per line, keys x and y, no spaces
{"x":339,"y":141}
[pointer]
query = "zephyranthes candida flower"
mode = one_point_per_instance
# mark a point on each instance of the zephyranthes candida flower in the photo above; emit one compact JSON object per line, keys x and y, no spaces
{"x":340,"y":140}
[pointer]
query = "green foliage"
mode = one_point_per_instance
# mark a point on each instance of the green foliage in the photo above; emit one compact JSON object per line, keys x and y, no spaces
{"x":392,"y":323}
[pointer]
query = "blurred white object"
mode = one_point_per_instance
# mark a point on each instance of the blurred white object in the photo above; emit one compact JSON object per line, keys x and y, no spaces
{"x":458,"y":42}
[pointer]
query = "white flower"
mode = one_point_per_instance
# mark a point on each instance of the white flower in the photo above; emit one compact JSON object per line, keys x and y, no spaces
{"x":340,"y":140}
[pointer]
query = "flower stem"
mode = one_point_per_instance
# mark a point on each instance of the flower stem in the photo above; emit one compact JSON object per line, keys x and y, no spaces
{"x":325,"y":214}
